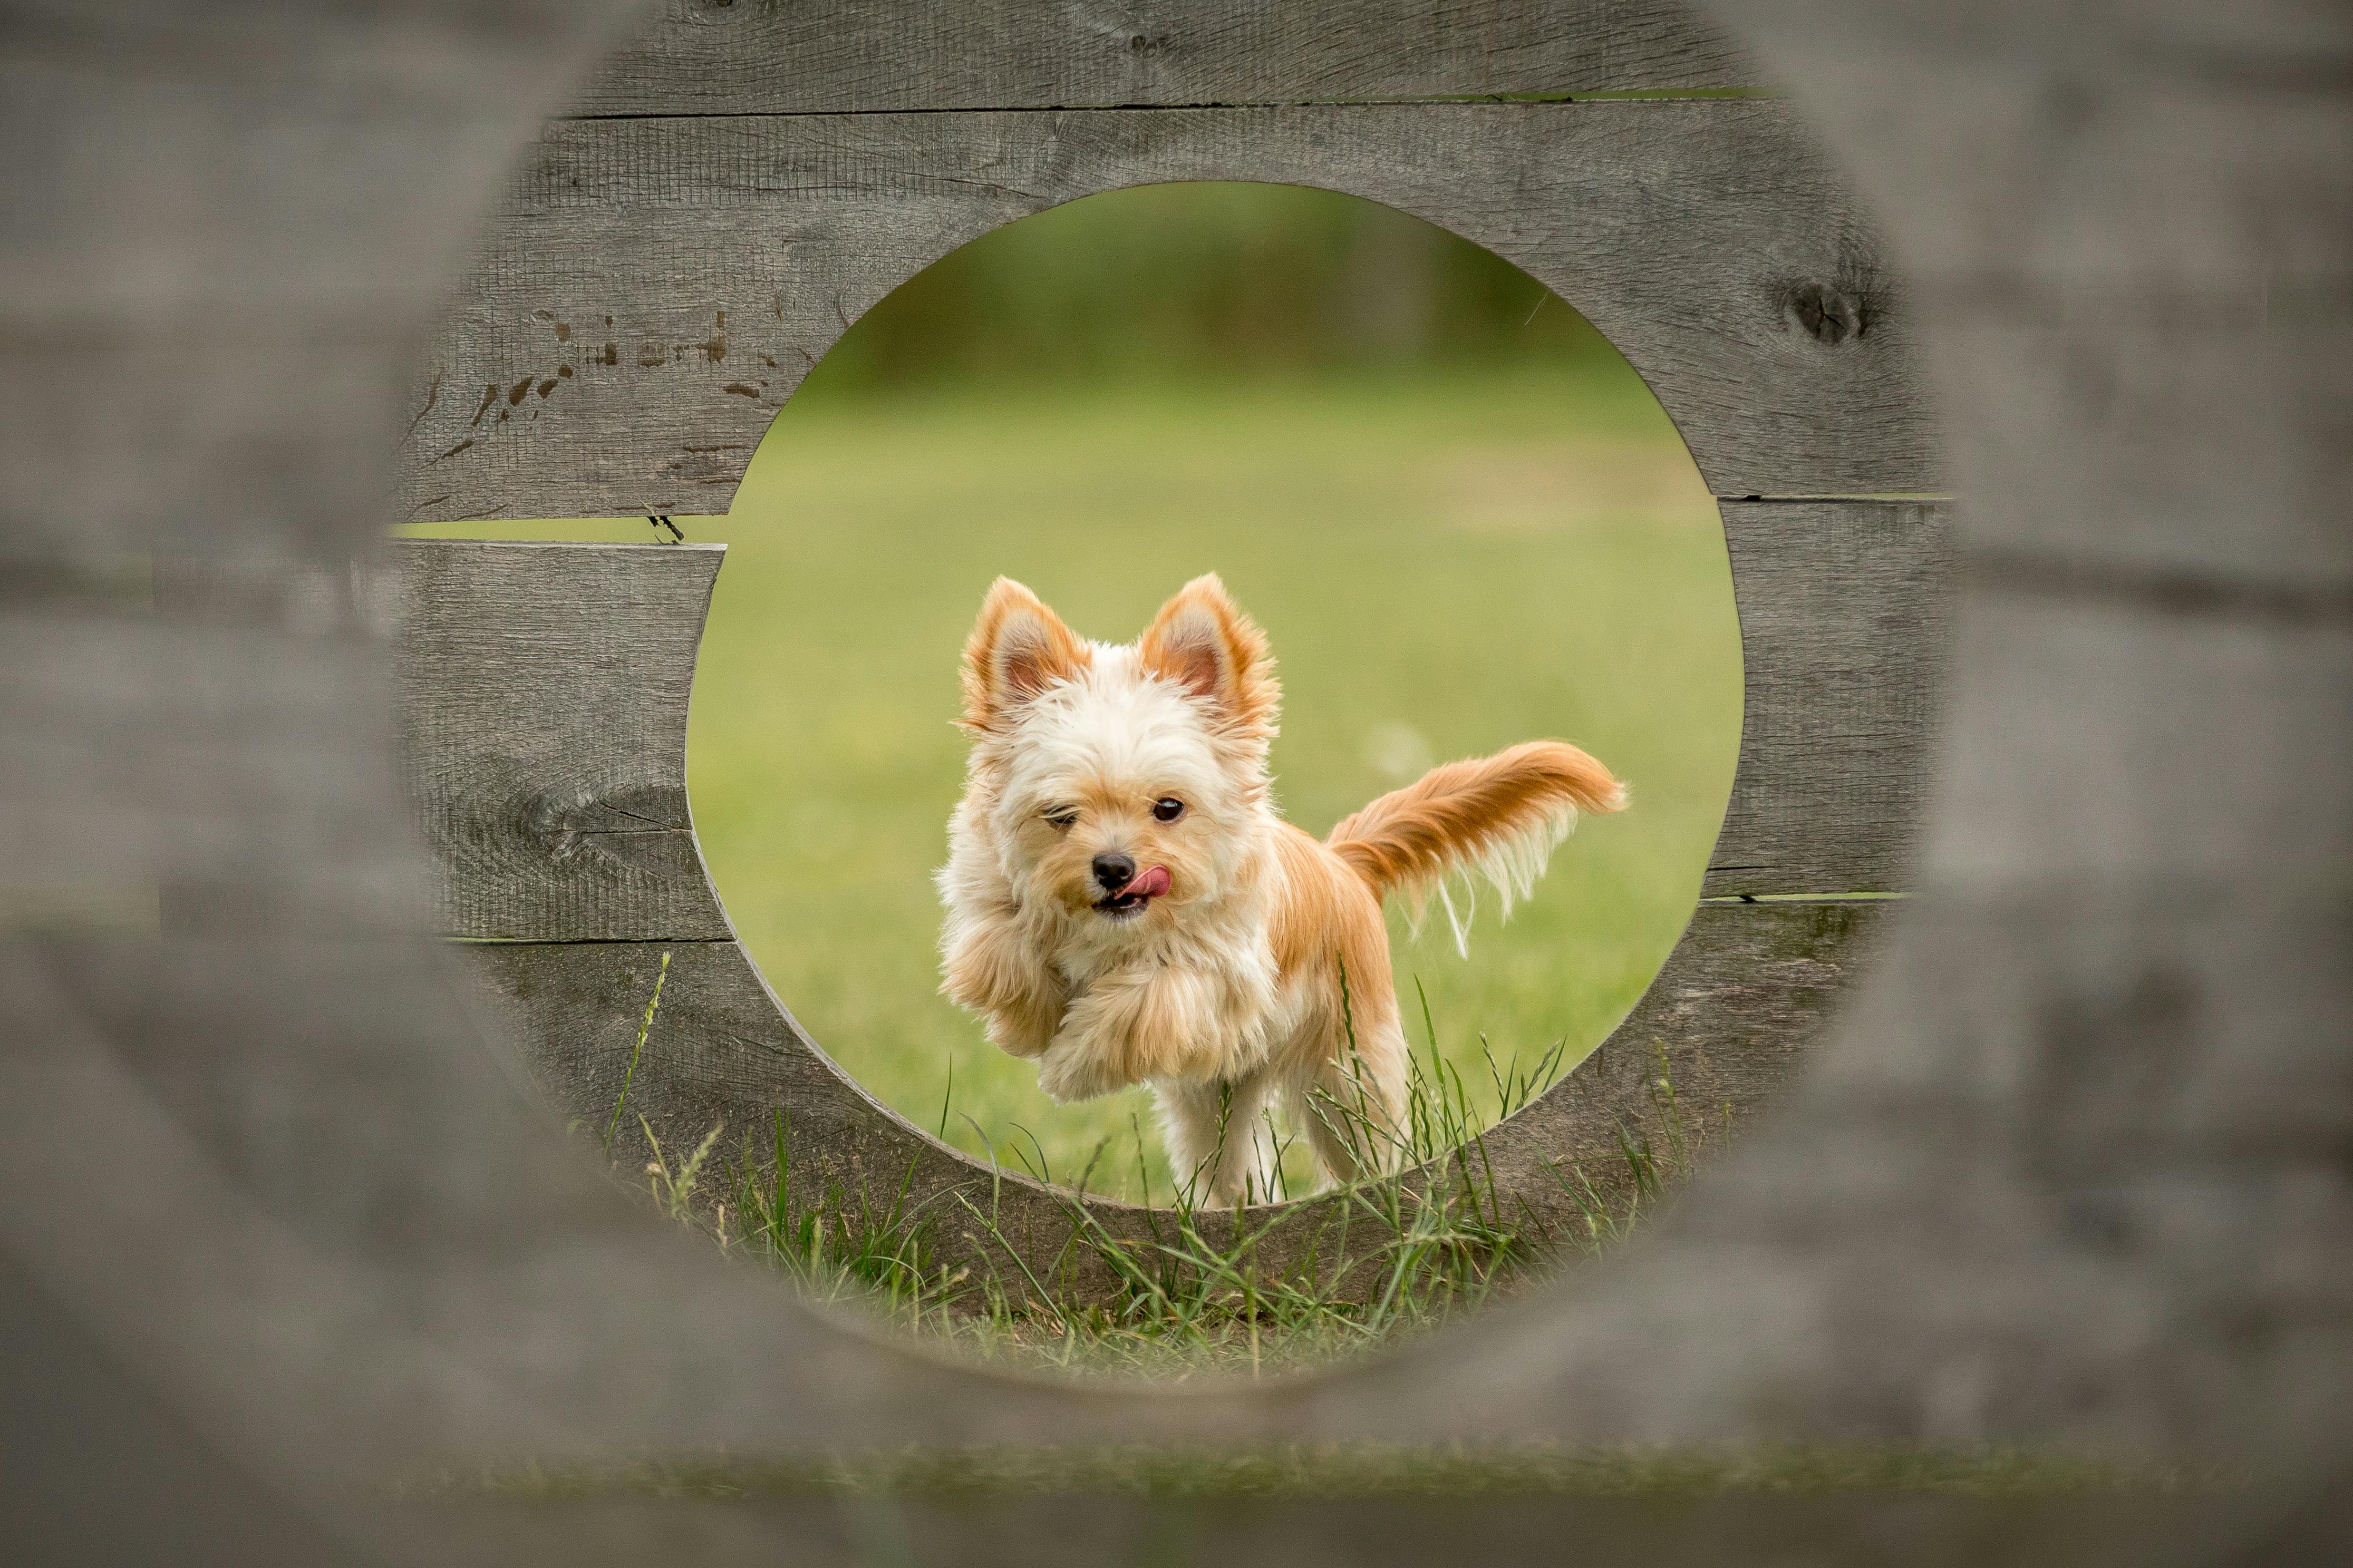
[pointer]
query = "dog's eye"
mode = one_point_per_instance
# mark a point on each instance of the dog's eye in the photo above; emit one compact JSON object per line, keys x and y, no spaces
{"x":1062,"y":818}
{"x":1168,"y":808}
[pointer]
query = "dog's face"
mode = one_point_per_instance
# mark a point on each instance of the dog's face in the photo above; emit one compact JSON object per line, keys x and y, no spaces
{"x":1122,"y":785}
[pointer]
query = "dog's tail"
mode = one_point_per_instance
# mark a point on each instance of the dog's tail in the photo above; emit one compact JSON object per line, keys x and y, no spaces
{"x":1501,"y":816}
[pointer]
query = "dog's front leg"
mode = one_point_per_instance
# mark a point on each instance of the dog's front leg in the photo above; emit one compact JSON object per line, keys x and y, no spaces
{"x":1218,"y":1139}
{"x":1151,"y":1021}
{"x":991,"y":970}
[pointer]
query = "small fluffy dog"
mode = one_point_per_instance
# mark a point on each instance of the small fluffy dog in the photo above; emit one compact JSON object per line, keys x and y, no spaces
{"x":1125,"y":904}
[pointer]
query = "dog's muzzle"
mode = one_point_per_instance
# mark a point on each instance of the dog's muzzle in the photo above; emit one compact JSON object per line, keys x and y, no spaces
{"x":1146,"y":885}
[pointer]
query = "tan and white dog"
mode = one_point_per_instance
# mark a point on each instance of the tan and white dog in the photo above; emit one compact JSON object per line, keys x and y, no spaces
{"x":1125,"y":904}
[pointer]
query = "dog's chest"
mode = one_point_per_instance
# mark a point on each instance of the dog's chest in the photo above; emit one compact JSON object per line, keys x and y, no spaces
{"x":1234,"y":949}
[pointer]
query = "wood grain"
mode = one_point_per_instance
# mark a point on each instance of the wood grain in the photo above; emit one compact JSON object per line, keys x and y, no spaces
{"x":2091,"y":418}
{"x":212,"y":265}
{"x":186,"y":775}
{"x":655,"y":289}
{"x":544,"y":692}
{"x":713,"y":56}
{"x":2143,"y":751}
{"x":1845,"y":611}
{"x":2143,"y":299}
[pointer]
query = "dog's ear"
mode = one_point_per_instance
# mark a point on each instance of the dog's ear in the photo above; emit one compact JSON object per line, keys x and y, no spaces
{"x":1019,"y":647}
{"x":1201,"y":642}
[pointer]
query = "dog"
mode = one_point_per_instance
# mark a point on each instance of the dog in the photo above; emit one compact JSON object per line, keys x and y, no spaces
{"x":1126,"y":906}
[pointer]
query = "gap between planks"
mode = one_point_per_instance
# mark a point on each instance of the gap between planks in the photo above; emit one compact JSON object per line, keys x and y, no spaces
{"x":1500,"y":100}
{"x":1803,"y":897}
{"x":591,"y":940}
{"x":1875,"y":498}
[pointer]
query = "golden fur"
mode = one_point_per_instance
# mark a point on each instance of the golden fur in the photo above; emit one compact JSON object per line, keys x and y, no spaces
{"x":1230,"y":961}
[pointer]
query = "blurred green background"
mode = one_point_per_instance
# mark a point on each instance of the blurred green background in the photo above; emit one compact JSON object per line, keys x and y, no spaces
{"x":1458,"y":512}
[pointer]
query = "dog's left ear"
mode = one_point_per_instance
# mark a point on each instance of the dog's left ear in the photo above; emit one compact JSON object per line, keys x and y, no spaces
{"x":1019,"y":649}
{"x":1200,"y":641}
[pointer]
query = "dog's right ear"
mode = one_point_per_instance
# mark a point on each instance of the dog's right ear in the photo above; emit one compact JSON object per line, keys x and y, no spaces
{"x":1019,"y":649}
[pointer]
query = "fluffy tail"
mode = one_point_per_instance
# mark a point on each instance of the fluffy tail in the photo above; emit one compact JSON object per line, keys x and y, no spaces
{"x":1500,"y":816}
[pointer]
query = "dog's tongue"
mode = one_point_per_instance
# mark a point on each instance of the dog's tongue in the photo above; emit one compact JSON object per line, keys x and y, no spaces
{"x":1148,"y":883}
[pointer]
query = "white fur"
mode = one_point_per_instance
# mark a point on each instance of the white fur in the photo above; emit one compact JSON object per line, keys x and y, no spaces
{"x":1512,"y":863}
{"x":1115,"y":724}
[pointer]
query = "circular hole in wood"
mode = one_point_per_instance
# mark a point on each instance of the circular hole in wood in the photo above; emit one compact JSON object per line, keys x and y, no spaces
{"x":1460,"y":516}
{"x":1458,"y":513}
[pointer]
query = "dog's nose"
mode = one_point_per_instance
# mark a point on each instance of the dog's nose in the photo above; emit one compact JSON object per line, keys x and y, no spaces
{"x":1114,"y":872}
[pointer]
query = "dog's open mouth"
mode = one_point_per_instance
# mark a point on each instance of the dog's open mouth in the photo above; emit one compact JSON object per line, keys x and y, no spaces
{"x":1142,"y":888}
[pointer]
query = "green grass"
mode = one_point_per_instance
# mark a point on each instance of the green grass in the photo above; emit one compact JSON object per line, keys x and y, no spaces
{"x":1190,"y":1307}
{"x":1446,"y":564}
{"x":1409,"y":1253}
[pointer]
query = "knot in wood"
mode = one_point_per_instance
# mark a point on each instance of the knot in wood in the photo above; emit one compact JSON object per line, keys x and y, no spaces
{"x":556,"y":825}
{"x":550,"y":824}
{"x":1826,"y":313}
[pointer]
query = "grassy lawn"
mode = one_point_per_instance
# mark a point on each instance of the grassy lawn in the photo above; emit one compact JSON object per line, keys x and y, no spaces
{"x":1445,"y":564}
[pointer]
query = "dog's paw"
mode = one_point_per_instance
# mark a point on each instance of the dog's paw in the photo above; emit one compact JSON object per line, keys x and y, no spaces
{"x":1022,"y":1032}
{"x":1069,"y":1074}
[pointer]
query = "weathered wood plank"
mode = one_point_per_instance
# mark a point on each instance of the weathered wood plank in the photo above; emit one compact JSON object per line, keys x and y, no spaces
{"x":723,"y":1052}
{"x":655,"y":289}
{"x":167,"y":767}
{"x":2235,"y":133}
{"x":1745,"y":993}
{"x":212,"y":265}
{"x":544,"y":692}
{"x":1725,"y":1023}
{"x":2091,"y":418}
{"x":1844,"y":630}
{"x":713,"y":56}
{"x":2141,"y":750}
{"x":2142,"y":292}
